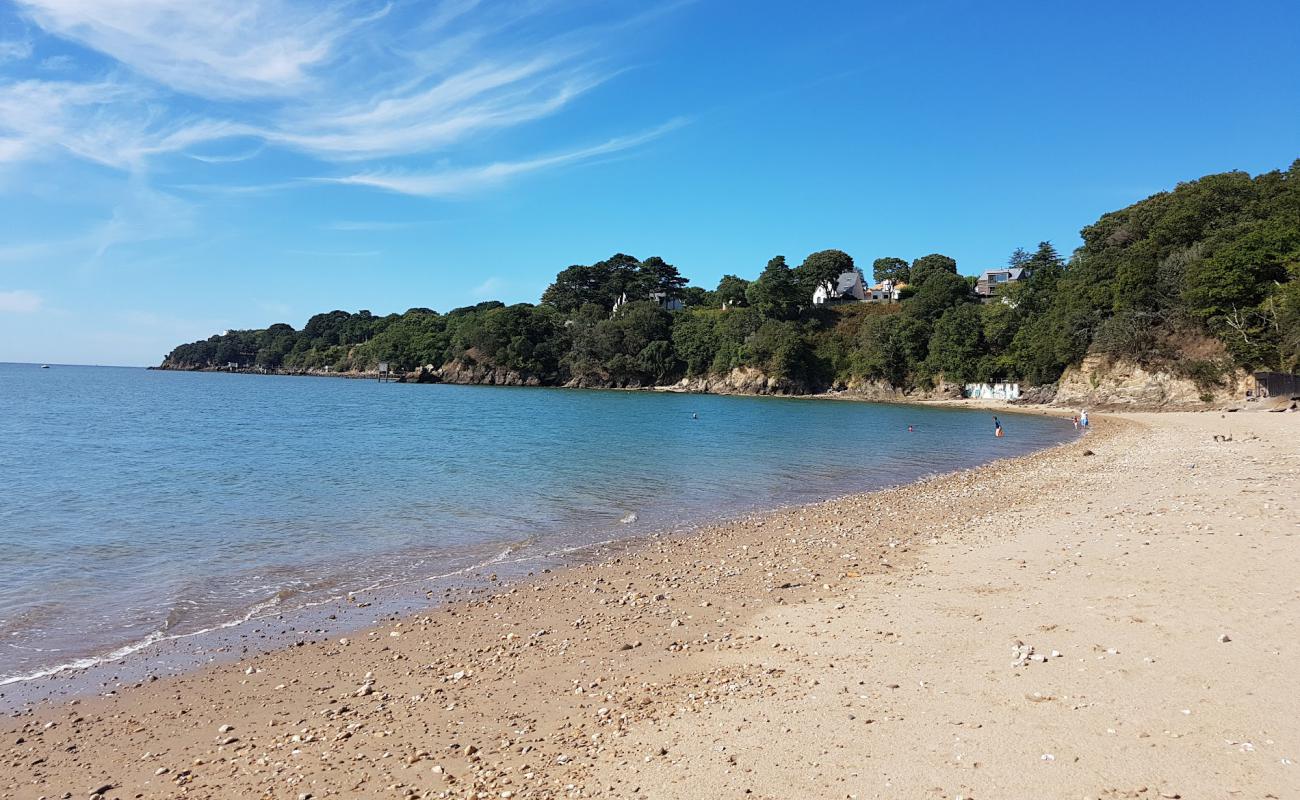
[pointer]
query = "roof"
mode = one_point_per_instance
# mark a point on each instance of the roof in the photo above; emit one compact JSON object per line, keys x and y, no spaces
{"x":846,"y":282}
{"x":1014,"y":273}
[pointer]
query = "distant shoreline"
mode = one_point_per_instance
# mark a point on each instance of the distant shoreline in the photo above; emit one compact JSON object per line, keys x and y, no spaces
{"x":893,"y":398}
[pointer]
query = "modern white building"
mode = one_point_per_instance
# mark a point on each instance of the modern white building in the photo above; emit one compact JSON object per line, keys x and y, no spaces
{"x":993,"y":280}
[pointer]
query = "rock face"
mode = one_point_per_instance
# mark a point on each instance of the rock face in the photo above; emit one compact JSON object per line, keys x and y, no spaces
{"x":1100,"y":382}
{"x":1037,"y":395}
{"x":473,"y":373}
{"x":885,"y":392}
{"x":742,"y":380}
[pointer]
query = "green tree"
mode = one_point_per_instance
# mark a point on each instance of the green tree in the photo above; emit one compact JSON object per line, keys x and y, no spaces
{"x":695,"y":340}
{"x":731,"y":291}
{"x":604,"y":283}
{"x":776,"y":294}
{"x":957,"y":345}
{"x":890,"y":269}
{"x":937,"y":292}
{"x":698,"y":297}
{"x":933,"y":264}
{"x":821,"y":267}
{"x":656,"y":275}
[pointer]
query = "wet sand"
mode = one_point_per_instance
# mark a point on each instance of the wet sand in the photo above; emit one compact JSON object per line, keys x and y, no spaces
{"x":1113,"y":624}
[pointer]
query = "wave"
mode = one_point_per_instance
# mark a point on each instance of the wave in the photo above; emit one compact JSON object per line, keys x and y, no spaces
{"x":153,"y":638}
{"x":256,"y":611}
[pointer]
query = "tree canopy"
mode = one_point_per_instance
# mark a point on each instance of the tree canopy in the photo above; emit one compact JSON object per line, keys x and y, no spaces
{"x":891,"y":268}
{"x":1214,"y":261}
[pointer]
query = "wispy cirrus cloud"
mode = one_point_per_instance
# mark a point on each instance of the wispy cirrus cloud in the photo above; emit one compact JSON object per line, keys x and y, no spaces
{"x":369,"y":225}
{"x":20,"y":301}
{"x":227,"y":50}
{"x":105,"y":121}
{"x":337,"y":253}
{"x":328,"y":81}
{"x":423,"y":118}
{"x":227,"y":158}
{"x":57,"y":63}
{"x":469,"y":179}
{"x":488,"y":289}
{"x":15,"y":49}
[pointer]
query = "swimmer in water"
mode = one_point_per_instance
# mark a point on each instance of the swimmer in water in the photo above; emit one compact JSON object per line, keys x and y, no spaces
{"x":695,"y":415}
{"x":997,"y":427}
{"x":910,"y":429}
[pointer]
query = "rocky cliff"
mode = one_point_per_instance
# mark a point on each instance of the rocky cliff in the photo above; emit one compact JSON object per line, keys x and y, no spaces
{"x":464,"y":372}
{"x":1099,"y":382}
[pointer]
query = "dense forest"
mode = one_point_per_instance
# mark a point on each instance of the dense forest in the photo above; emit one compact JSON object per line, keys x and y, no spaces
{"x":1198,"y":280}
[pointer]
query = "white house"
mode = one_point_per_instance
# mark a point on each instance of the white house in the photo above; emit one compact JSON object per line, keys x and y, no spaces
{"x":886,"y":291}
{"x":667,"y":303}
{"x":661,"y":298}
{"x":848,"y":288}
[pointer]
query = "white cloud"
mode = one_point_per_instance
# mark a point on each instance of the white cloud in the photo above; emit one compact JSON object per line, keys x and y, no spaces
{"x":141,"y":214}
{"x":470,"y":179}
{"x":15,"y":50}
{"x":337,"y":253}
{"x":13,"y":149}
{"x":335,"y":82}
{"x":20,"y":301}
{"x":253,"y":49}
{"x":373,"y":225}
{"x":227,"y":158}
{"x":420,"y":118}
{"x":57,"y":63}
{"x":106,"y":121}
{"x":137,"y":213}
{"x":488,"y":289}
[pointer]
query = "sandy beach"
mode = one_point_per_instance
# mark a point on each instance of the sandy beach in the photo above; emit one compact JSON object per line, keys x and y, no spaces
{"x":1113,"y":618}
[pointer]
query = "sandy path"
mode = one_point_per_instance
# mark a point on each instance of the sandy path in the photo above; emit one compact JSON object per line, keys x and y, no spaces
{"x":857,"y":648}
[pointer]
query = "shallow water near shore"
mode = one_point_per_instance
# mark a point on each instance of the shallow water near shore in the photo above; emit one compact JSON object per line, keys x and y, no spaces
{"x":141,"y":510}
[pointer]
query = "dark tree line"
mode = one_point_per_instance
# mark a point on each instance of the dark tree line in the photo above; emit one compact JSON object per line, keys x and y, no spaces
{"x":1212,"y":263}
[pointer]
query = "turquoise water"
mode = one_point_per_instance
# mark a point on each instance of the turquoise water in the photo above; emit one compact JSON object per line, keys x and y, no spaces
{"x":141,"y":507}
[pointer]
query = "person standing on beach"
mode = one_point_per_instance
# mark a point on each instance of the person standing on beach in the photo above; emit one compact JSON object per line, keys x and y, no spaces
{"x":997,"y":428}
{"x":1083,"y":418}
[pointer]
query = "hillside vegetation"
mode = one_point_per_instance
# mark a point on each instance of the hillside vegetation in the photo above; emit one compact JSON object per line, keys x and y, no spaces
{"x":1198,"y":281}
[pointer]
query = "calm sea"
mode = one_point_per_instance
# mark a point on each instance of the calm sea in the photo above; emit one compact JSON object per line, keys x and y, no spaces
{"x":143,"y":508}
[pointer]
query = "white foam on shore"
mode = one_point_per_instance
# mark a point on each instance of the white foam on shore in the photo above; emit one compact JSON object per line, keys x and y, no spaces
{"x":161,"y":635}
{"x":156,"y":637}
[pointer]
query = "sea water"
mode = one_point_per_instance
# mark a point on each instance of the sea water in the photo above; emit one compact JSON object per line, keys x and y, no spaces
{"x":141,"y":508}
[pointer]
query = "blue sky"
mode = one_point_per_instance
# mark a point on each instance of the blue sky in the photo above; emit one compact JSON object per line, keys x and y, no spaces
{"x":169,"y":170}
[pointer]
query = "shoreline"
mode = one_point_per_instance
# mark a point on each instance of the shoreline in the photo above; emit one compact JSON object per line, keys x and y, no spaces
{"x":829,"y":394}
{"x":889,"y":397}
{"x":269,"y":625}
{"x":671,"y":669}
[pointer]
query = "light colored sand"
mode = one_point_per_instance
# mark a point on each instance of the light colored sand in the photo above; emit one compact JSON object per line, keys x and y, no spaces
{"x":858,"y":648}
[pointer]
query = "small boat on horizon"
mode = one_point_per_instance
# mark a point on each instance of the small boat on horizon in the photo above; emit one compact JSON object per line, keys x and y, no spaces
{"x":45,"y":366}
